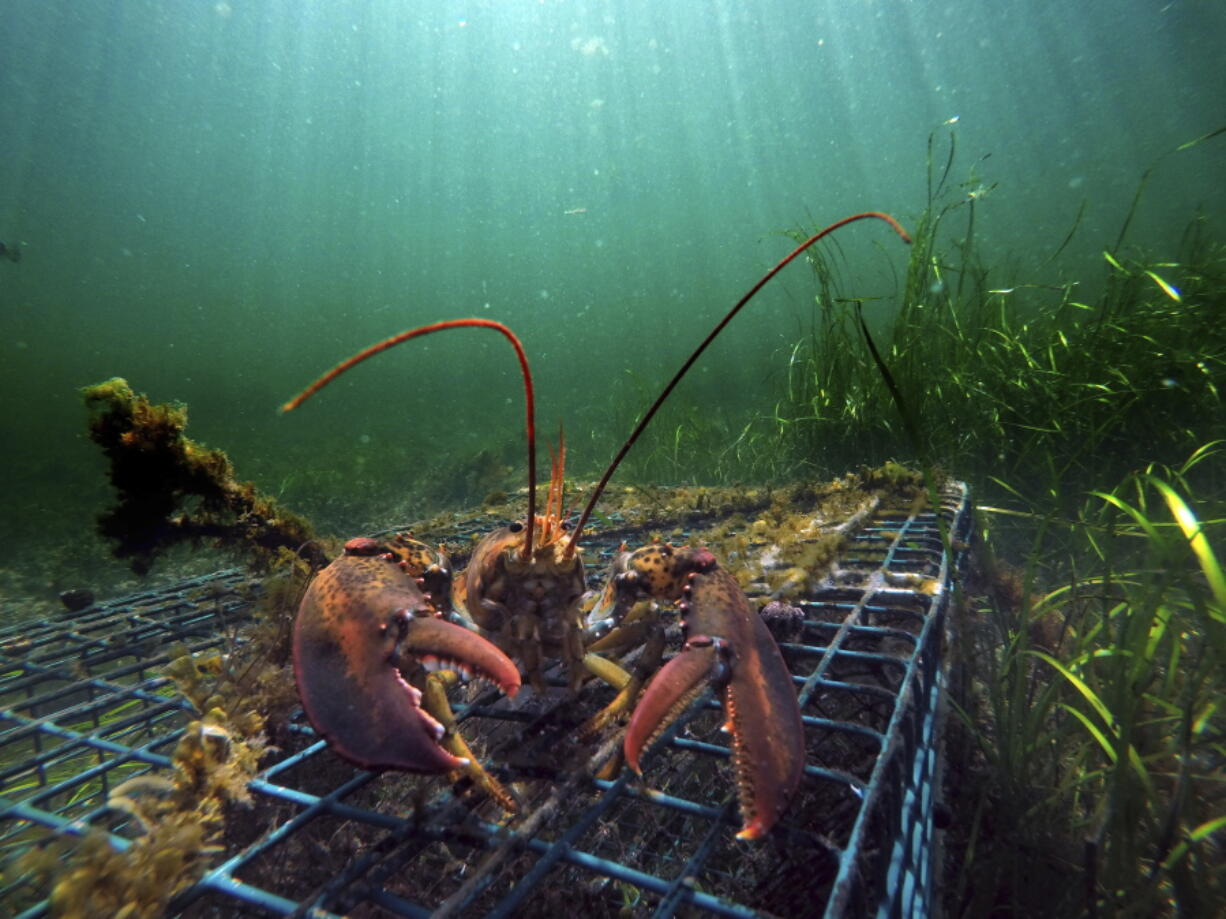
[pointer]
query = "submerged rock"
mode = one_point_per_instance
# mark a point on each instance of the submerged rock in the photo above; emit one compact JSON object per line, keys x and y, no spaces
{"x":78,"y":598}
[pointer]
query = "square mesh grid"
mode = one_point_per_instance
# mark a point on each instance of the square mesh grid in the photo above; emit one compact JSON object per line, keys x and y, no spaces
{"x":84,"y":709}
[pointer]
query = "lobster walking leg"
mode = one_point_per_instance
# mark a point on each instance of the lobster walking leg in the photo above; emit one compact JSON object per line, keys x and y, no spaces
{"x":435,"y":699}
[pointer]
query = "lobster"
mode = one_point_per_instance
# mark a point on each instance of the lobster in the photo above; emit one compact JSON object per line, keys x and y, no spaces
{"x":374,"y":650}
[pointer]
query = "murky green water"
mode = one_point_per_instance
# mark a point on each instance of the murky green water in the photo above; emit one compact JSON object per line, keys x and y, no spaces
{"x":218,"y":201}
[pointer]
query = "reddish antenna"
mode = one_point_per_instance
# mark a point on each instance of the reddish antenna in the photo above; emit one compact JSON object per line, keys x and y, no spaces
{"x":655,"y":406}
{"x":529,"y":398}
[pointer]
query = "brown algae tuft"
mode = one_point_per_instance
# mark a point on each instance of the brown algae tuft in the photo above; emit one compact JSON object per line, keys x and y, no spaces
{"x":173,"y":490}
{"x":177,"y":821}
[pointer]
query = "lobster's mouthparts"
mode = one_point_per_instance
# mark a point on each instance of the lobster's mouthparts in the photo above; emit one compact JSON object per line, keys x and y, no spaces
{"x":361,"y":622}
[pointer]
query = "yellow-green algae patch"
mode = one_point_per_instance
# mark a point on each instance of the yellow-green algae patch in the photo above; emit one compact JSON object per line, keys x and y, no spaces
{"x":778,"y":539}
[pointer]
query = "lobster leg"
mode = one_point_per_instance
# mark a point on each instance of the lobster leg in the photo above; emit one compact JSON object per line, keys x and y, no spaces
{"x":730,"y":646}
{"x":436,"y":702}
{"x":629,"y":685}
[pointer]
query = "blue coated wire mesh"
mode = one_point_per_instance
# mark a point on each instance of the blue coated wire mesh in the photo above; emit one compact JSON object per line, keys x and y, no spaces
{"x":84,"y":709}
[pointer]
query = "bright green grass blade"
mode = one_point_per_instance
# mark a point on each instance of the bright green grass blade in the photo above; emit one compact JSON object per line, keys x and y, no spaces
{"x":1157,"y":631}
{"x":1006,"y":512}
{"x":1167,"y":289}
{"x":1199,"y":544}
{"x":1196,"y":140}
{"x":1077,"y":683}
{"x":1143,"y":522}
{"x":1205,"y":719}
{"x":1202,"y":832}
{"x":1207,"y":451}
{"x":1092,"y":728}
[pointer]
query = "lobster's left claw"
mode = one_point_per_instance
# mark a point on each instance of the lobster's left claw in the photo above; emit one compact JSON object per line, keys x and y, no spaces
{"x":730,"y":646}
{"x":360,"y":619}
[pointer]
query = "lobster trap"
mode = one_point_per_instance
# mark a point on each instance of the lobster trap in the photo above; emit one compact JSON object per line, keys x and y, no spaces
{"x":86,"y":707}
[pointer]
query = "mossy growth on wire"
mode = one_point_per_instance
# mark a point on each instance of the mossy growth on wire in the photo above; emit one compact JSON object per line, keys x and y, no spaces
{"x":173,"y":490}
{"x":170,"y":827}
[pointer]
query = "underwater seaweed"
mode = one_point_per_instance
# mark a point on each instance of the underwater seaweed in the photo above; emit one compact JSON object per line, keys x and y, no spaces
{"x":1090,"y":742}
{"x":89,"y":878}
{"x":174,"y":824}
{"x":1093,"y":726}
{"x":172,"y":489}
{"x":178,"y":823}
{"x":1027,"y":383}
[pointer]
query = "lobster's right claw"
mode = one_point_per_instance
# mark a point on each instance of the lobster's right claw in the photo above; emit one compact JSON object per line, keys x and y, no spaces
{"x":678,"y":684}
{"x":729,"y":648}
{"x":360,"y":619}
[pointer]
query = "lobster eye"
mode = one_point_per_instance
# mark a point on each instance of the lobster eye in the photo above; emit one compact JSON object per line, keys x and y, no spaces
{"x":515,"y":527}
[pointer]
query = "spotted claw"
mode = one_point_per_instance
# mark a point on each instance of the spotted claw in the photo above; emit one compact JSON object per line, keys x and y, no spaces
{"x":729,"y":647}
{"x":361,"y":620}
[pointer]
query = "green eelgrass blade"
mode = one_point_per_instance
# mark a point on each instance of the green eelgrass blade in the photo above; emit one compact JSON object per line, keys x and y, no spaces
{"x":1104,"y":713}
{"x":1205,"y":719}
{"x":1167,"y":289}
{"x":1142,"y":521}
{"x":1077,"y":683}
{"x":1068,"y":238}
{"x":1207,"y":451}
{"x":909,"y":425}
{"x":1204,"y":831}
{"x":1192,"y":143}
{"x":1136,"y":200}
{"x":1196,"y":541}
{"x":1093,"y":729}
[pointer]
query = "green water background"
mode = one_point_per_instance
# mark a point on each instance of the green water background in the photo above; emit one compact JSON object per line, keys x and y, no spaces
{"x":218,"y":201}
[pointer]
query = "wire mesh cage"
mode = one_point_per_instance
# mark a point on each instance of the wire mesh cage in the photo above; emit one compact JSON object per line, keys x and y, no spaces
{"x":86,"y":708}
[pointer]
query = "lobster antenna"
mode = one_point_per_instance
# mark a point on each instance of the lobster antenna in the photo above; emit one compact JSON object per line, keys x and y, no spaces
{"x":529,"y":398}
{"x":655,"y":406}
